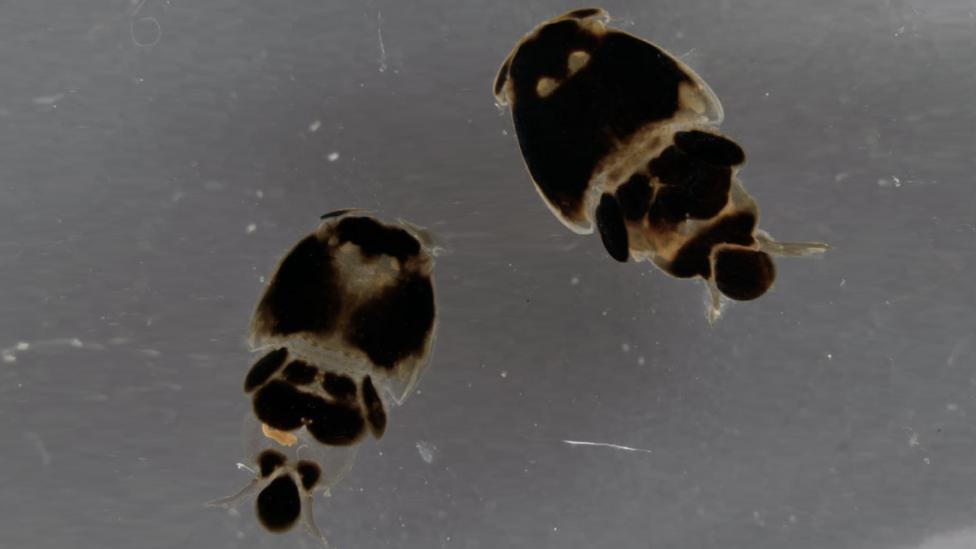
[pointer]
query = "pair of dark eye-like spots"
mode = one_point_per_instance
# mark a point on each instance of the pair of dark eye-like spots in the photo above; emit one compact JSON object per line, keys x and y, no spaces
{"x":618,"y":136}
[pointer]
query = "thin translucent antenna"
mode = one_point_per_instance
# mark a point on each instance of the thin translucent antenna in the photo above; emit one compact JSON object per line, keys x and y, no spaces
{"x":789,"y":249}
{"x":308,"y":520}
{"x":238,"y":498}
{"x":715,"y":304}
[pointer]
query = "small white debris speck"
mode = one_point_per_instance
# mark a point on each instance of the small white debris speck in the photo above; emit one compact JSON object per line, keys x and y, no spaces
{"x":426,"y":451}
{"x":574,"y":281}
{"x":952,"y":407}
{"x":259,"y":193}
{"x":333,"y":156}
{"x":913,"y":440}
{"x":504,"y":374}
{"x":314,"y":126}
{"x":625,"y":347}
{"x":23,"y":346}
{"x":250,"y":228}
{"x":757,"y":518}
{"x":640,"y":361}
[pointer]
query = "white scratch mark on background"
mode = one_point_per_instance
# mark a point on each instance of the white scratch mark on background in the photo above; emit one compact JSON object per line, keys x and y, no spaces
{"x":48,"y":100}
{"x":957,"y":351}
{"x":379,"y":35}
{"x":41,"y":448}
{"x":606,"y":445}
{"x":242,"y":467}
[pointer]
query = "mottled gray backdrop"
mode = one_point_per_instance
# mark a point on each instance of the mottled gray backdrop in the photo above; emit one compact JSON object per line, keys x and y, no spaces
{"x":157,"y":157}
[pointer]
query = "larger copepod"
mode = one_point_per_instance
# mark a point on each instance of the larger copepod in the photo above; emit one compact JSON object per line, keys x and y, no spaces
{"x":618,"y":134}
{"x":344,"y":329}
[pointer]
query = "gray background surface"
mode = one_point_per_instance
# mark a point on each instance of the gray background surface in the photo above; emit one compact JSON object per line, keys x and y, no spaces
{"x":158,"y":157}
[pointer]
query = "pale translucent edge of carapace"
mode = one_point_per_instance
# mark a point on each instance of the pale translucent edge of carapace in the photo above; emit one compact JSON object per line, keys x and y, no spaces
{"x":397,"y":384}
{"x":712,"y":112}
{"x":429,"y":240}
{"x":576,"y":227}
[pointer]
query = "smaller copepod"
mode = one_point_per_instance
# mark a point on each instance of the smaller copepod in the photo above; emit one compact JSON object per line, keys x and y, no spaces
{"x":618,"y":134}
{"x":344,"y":329}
